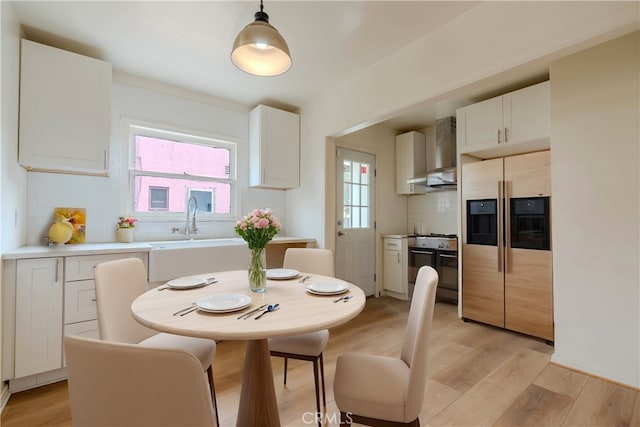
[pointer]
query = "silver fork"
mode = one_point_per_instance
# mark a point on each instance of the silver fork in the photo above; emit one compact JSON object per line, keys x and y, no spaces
{"x":304,"y":278}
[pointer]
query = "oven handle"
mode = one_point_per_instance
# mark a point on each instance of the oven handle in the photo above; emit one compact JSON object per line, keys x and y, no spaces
{"x":421,"y":252}
{"x":448,"y":256}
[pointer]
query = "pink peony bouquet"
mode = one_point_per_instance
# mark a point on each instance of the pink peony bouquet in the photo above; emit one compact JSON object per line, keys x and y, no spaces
{"x":258,"y":228}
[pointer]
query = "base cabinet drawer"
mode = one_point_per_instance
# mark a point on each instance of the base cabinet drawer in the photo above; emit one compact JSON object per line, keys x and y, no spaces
{"x":79,"y":301}
{"x":81,"y":267}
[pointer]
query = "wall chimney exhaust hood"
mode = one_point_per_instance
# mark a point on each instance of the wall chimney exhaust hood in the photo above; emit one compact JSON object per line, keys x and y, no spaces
{"x":443,"y":152}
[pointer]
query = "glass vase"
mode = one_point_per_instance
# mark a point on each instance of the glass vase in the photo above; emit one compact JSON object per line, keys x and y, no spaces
{"x":257,"y":273}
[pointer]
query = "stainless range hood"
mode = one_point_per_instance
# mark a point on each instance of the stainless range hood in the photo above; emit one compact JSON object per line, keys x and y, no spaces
{"x":442,"y":155}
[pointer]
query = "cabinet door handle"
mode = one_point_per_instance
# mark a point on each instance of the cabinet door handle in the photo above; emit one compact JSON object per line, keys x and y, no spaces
{"x":499,"y":141}
{"x":506,"y":137}
{"x":105,"y":159}
{"x":58,"y":269}
{"x":398,"y":257}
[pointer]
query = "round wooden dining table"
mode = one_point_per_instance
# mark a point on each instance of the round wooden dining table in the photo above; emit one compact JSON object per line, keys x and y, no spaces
{"x":300,"y":311}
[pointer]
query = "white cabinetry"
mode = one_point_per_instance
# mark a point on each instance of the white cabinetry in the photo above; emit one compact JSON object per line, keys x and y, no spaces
{"x":64,"y":111}
{"x":274,"y":148}
{"x":411,"y":160}
{"x":516,"y":122}
{"x":80,"y":292}
{"x":394,"y":267}
{"x":38,"y":311}
{"x":44,"y":299}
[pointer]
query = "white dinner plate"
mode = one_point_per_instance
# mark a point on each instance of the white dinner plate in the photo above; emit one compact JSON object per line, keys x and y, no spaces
{"x":223,"y":303}
{"x":188,"y":282}
{"x":282,"y":273}
{"x":327,"y":288}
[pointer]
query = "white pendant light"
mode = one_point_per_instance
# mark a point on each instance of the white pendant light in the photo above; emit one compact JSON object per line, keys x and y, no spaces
{"x":259,"y":49}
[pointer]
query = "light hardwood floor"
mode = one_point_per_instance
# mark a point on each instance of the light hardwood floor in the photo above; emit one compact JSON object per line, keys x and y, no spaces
{"x":478,"y":376}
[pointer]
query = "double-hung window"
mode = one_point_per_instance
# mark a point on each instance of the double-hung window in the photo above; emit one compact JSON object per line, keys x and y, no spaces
{"x":167,"y":168}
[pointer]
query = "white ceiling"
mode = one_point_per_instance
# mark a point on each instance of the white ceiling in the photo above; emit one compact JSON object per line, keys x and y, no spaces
{"x":187,"y":44}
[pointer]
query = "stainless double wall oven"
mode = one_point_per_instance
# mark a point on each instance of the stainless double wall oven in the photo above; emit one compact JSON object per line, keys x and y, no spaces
{"x":439,"y":251}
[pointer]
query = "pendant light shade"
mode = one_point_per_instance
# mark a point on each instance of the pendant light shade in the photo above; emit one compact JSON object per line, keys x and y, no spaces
{"x":259,"y":49}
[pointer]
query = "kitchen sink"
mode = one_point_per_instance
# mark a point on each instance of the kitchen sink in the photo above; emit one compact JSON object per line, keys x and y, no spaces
{"x":171,"y":259}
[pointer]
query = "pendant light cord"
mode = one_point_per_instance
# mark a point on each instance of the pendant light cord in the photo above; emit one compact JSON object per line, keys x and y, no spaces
{"x":260,"y":15}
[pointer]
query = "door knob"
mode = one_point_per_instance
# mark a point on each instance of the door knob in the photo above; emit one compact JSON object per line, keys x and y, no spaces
{"x":340,"y":233}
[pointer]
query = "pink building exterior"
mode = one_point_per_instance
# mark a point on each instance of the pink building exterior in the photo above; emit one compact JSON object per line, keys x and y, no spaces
{"x":159,"y":155}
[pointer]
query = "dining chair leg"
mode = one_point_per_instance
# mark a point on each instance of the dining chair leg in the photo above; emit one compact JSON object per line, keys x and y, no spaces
{"x":324,"y":394}
{"x":286,"y":361}
{"x":317,"y":383}
{"x":213,"y":393}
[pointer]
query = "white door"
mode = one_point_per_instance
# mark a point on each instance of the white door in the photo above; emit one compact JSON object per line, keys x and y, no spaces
{"x":355,"y":228}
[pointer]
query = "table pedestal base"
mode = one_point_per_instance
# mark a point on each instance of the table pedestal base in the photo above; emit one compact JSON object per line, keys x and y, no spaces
{"x":258,"y":405}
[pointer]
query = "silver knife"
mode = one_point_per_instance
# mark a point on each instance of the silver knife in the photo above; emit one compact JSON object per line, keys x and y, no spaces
{"x":249,"y":313}
{"x":189,"y":311}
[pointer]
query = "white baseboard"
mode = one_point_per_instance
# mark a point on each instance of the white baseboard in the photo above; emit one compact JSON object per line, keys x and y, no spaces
{"x":4,"y":396}
{"x":611,"y":377}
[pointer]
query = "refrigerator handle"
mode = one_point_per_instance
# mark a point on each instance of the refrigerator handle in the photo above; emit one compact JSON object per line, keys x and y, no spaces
{"x":507,"y":228}
{"x":499,"y":227}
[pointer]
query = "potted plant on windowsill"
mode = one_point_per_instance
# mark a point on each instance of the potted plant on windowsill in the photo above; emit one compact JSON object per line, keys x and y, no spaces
{"x":126,"y":227}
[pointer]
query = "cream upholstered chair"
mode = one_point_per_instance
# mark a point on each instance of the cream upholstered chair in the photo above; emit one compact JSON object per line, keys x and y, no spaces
{"x":385,"y":391}
{"x":118,"y":283}
{"x":119,"y":384}
{"x":306,"y":346}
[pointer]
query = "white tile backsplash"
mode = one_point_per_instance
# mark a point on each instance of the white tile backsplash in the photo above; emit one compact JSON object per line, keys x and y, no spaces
{"x":438,"y":211}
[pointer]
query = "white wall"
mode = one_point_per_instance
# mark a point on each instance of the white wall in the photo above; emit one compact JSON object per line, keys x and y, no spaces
{"x":13,"y":178}
{"x":491,"y":38}
{"x":595,"y":159}
{"x":140,"y":99}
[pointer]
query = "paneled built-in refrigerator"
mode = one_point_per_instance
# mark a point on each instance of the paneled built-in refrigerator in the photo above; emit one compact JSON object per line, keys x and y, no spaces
{"x":506,"y":243}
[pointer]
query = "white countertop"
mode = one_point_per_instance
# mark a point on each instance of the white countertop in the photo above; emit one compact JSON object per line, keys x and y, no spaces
{"x":75,"y":249}
{"x":37,"y":251}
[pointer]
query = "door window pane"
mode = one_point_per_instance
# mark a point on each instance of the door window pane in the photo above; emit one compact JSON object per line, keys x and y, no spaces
{"x":346,"y":218}
{"x":356,"y":195}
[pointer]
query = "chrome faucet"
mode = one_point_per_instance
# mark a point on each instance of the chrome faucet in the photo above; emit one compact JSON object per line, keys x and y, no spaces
{"x":190,"y":226}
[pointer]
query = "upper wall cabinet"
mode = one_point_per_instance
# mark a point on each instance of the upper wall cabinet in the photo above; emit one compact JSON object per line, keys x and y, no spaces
{"x":509,"y":124}
{"x":274,"y":148}
{"x":411,"y":160}
{"x":64,"y":111}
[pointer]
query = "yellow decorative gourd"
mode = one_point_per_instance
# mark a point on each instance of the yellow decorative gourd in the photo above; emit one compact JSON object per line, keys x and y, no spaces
{"x":60,"y":231}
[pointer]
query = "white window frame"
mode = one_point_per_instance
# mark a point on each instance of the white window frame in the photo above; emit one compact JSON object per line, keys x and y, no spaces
{"x":131,"y":127}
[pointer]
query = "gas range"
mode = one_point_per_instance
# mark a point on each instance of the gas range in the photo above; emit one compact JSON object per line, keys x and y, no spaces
{"x":445,"y":242}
